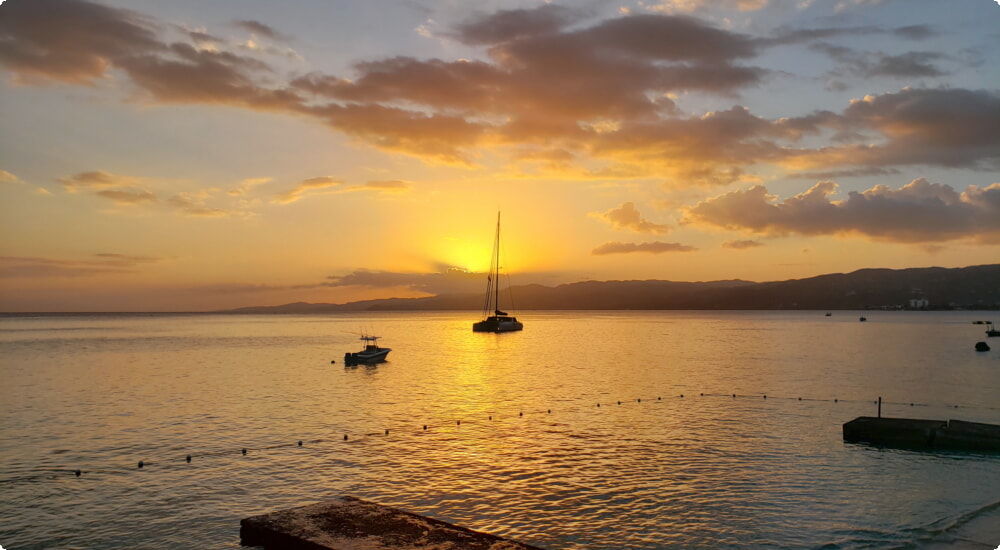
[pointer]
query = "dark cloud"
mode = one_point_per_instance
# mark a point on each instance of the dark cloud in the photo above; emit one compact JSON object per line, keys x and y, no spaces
{"x":626,"y":216}
{"x":918,"y":212}
{"x":915,"y":32}
{"x":935,"y":127}
{"x":873,"y":64}
{"x":260,"y":29}
{"x":70,"y":40}
{"x":447,"y":281}
{"x":582,"y":97}
{"x":741,"y":245}
{"x":507,"y":25}
{"x":105,"y":263}
{"x":97,"y":179}
{"x":649,"y":248}
{"x":127,"y":196}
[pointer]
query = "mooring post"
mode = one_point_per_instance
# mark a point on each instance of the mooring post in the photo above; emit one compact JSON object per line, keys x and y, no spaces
{"x":880,"y":406}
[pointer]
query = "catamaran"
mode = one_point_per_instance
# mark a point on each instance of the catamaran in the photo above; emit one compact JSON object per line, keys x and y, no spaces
{"x":498,"y":321}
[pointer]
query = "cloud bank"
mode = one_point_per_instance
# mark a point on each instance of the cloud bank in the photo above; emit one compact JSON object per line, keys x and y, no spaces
{"x":918,"y":212}
{"x":587,"y":98}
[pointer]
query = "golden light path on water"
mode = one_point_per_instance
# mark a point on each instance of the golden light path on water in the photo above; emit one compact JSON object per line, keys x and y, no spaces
{"x":525,"y":436}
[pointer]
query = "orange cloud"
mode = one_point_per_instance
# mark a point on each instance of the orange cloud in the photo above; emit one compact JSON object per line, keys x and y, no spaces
{"x":650,"y":248}
{"x":626,"y":216}
{"x":305,"y":187}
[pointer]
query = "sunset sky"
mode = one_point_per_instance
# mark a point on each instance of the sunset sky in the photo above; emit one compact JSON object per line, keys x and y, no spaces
{"x":199,"y":154}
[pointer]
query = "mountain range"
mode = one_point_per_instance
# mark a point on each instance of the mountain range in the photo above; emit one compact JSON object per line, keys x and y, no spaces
{"x":975,"y":287}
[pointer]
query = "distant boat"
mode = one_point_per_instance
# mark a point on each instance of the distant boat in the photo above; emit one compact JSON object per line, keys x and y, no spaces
{"x":991,"y":330}
{"x":863,"y":319}
{"x":828,"y":314}
{"x":372,"y":353}
{"x":498,"y":321}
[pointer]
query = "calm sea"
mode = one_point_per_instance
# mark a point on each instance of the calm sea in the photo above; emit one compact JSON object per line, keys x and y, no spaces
{"x":515,"y":442}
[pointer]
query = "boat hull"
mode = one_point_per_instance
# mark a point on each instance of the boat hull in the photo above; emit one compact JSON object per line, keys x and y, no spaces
{"x":366,"y":357}
{"x":498,"y":324}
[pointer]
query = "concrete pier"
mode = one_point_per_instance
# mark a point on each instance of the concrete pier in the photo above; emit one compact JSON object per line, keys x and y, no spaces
{"x":348,"y":523}
{"x":910,"y":433}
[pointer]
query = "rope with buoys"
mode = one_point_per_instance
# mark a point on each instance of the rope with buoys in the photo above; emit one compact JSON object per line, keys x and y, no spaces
{"x":492,"y":419}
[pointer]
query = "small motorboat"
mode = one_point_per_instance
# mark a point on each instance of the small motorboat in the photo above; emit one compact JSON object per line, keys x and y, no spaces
{"x":372,"y":353}
{"x":863,"y":319}
{"x":982,"y":346}
{"x":991,"y":330}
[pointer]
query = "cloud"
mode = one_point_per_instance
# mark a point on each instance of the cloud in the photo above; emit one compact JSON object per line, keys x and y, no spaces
{"x":388,"y":186}
{"x":260,"y":29}
{"x":7,"y":177}
{"x":650,"y":247}
{"x":626,"y":216}
{"x":306,"y":187}
{"x":123,"y":196}
{"x":193,"y":204}
{"x":918,"y":212}
{"x":873,"y":64}
{"x":446,"y":281}
{"x":954,"y":128}
{"x":105,"y":263}
{"x":741,"y":245}
{"x":98,"y":179}
{"x":553,"y":87}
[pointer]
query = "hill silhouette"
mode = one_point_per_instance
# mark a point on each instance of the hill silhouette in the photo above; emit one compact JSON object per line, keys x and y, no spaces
{"x":975,"y":287}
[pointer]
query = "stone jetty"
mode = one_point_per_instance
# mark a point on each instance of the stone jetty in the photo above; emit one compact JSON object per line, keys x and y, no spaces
{"x":348,"y":523}
{"x":923,"y":434}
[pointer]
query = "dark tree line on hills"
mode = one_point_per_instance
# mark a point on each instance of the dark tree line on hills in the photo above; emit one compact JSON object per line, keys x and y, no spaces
{"x":976,"y":287}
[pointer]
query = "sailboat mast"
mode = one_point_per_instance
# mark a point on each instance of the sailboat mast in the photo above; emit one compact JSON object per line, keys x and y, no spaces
{"x":496,"y":274}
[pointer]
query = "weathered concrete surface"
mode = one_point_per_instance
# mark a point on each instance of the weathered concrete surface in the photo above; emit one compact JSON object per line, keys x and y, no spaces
{"x":923,"y":434}
{"x":349,"y":523}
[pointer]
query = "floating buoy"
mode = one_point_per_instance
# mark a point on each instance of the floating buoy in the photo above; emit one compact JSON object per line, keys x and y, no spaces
{"x":332,"y":362}
{"x":619,"y":402}
{"x":520,"y":413}
{"x":982,"y":346}
{"x":638,"y":400}
{"x":765,"y":397}
{"x":835,"y":400}
{"x":598,"y":404}
{"x":425,"y":426}
{"x":682,"y":396}
{"x":491,"y":418}
{"x":734,"y":396}
{"x":140,"y":464}
{"x":387,"y":432}
{"x":800,"y":399}
{"x":188,"y":458}
{"x":658,"y":398}
{"x":244,"y":451}
{"x":78,"y":472}
{"x":550,"y":411}
{"x":345,"y":437}
{"x":300,"y":443}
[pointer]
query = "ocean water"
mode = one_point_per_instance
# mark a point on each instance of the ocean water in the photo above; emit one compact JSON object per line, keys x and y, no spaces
{"x":596,"y":430}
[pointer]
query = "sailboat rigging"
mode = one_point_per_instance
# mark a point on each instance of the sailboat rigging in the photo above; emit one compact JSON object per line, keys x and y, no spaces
{"x":498,"y":321}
